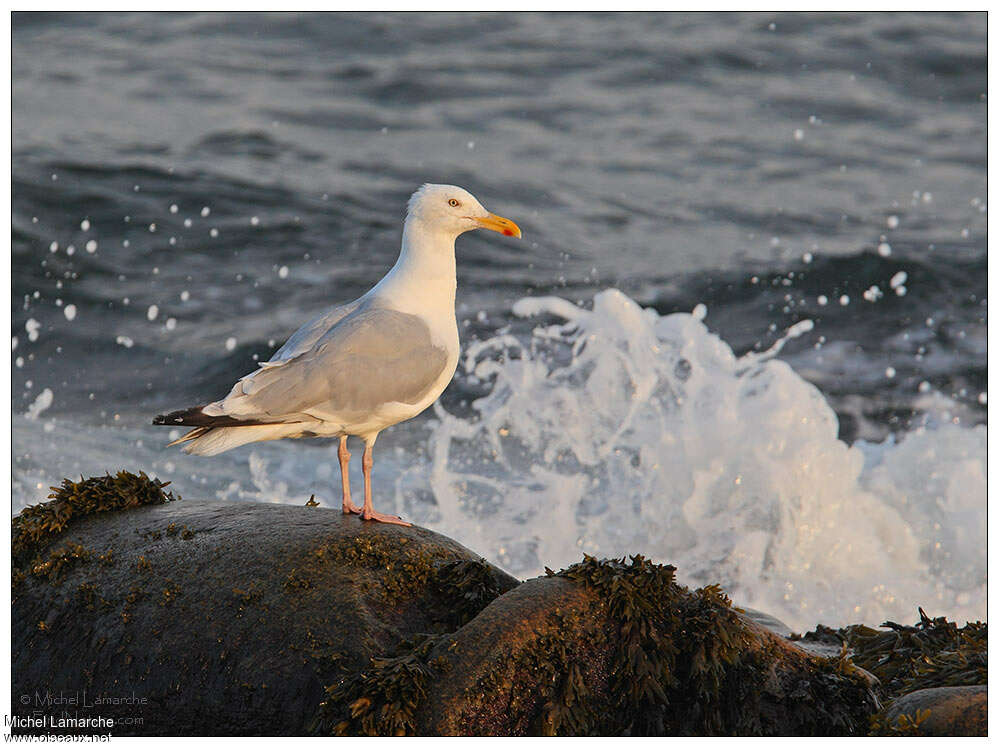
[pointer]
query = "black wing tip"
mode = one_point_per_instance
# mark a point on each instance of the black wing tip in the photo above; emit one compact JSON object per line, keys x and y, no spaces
{"x":180,"y":417}
{"x":196,"y":417}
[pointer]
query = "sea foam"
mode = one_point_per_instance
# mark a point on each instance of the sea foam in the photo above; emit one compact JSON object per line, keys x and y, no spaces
{"x":617,"y":431}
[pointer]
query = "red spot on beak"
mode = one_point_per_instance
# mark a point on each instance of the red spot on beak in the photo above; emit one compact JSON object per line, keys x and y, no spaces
{"x":507,"y":232}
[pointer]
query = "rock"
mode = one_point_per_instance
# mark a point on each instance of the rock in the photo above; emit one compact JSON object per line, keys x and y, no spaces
{"x":603,"y":648}
{"x":216,"y":618}
{"x":183,"y":618}
{"x":959,"y":711}
{"x":767,"y":621}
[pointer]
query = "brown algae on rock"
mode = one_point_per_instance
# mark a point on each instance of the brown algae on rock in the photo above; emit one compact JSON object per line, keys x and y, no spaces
{"x":933,"y":653}
{"x":58,"y":561}
{"x":930,"y":654}
{"x":467,"y":586}
{"x":629,"y":652}
{"x":37,"y":524}
{"x":382,"y":700}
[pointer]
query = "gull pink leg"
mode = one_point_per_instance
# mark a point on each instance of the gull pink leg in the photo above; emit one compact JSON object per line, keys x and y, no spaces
{"x":367,"y":462}
{"x":348,"y":506}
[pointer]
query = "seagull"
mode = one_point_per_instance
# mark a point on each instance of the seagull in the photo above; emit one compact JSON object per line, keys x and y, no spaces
{"x":358,"y":368}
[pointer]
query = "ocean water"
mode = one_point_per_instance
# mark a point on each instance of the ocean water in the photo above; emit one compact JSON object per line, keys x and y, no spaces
{"x":744,"y":332}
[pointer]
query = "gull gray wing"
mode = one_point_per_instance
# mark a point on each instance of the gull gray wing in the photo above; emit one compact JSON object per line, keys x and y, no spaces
{"x":370,"y":358}
{"x":309,"y":334}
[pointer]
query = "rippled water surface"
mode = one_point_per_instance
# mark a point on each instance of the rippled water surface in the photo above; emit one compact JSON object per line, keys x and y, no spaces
{"x":188,"y":189}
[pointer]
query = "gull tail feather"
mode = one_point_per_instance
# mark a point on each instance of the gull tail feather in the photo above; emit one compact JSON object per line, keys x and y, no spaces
{"x":213,"y":434}
{"x":212,"y":441}
{"x":192,"y":434}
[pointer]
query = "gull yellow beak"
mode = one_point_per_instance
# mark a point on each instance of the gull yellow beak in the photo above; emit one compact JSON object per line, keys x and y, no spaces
{"x":503,"y":225}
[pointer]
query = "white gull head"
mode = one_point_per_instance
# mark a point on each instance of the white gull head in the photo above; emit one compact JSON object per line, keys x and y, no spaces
{"x":450,"y":211}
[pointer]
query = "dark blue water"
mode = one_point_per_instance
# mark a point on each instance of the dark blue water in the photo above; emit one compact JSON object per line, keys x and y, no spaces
{"x":233,"y":174}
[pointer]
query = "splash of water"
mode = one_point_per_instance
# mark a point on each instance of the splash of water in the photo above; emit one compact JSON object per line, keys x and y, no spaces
{"x":617,"y":430}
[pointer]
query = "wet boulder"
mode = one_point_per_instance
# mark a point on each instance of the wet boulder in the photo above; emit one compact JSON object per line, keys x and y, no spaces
{"x":179,"y":617}
{"x":183,"y":617}
{"x":604,"y":647}
{"x":954,"y":711}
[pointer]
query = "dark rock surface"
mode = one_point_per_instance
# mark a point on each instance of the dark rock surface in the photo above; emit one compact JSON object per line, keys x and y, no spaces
{"x":956,"y":711}
{"x":188,"y":618}
{"x":767,"y":621}
{"x":215,"y":618}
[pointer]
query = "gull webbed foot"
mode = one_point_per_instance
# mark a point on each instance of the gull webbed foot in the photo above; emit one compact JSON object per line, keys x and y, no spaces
{"x":389,"y":519}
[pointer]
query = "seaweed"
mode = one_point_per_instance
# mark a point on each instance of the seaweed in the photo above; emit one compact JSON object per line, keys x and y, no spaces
{"x":465,"y":587}
{"x":549,"y":689}
{"x":39,"y":523}
{"x":382,"y":700}
{"x":647,"y":656}
{"x":58,"y":561}
{"x":170,"y":593}
{"x":933,"y":652}
{"x":638,"y":598}
{"x":89,"y":594}
{"x":903,"y":726}
{"x":401,"y":569}
{"x":656,"y":658}
{"x":674,"y":649}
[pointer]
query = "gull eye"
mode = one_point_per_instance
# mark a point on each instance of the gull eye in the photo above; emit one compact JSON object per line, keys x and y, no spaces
{"x":453,"y":203}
